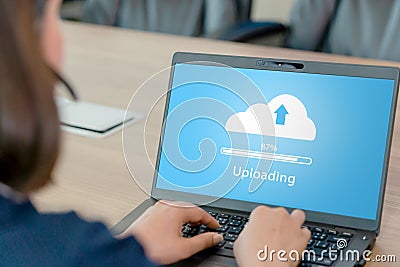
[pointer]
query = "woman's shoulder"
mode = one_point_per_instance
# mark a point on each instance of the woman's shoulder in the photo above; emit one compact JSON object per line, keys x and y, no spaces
{"x":27,"y":236}
{"x":23,"y":216}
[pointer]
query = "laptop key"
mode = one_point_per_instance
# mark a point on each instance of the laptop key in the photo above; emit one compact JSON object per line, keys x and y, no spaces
{"x":230,"y":237}
{"x":318,"y":236}
{"x":192,"y":228}
{"x":346,"y":234}
{"x":321,"y":244}
{"x":237,"y":217}
{"x":192,"y":233}
{"x":222,"y":221}
{"x":235,"y":223}
{"x":224,"y":215}
{"x":334,"y":239}
{"x":214,"y":214}
{"x":220,"y":244}
{"x":222,"y":229}
{"x":331,"y":232}
{"x":204,"y":229}
{"x":229,"y":245}
{"x":235,"y":230}
{"x":317,"y":230}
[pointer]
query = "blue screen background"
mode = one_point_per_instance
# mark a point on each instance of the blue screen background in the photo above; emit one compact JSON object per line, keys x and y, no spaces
{"x":351,"y":115}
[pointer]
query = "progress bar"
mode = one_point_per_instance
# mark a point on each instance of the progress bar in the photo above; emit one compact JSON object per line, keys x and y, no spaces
{"x":266,"y":156}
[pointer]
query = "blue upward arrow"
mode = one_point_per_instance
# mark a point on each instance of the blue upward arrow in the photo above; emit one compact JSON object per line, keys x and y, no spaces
{"x":281,"y":113}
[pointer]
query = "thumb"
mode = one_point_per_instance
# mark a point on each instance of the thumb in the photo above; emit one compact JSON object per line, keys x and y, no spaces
{"x":200,"y":242}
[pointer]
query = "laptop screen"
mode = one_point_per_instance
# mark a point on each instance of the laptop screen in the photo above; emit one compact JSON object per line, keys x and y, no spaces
{"x":299,"y":140}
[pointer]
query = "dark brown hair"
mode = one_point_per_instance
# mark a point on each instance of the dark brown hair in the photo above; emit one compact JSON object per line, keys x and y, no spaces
{"x":29,"y":125}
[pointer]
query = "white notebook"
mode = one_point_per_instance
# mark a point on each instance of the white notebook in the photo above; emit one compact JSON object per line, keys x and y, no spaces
{"x":93,"y":120}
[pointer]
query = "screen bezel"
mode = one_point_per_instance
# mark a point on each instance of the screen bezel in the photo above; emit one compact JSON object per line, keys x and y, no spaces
{"x":367,"y":71}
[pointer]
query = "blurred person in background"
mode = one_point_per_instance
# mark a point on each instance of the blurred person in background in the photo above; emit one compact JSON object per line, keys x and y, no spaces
{"x":362,"y":28}
{"x":181,"y":17}
{"x":30,"y":58}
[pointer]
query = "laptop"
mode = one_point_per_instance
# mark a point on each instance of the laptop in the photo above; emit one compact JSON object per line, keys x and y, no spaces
{"x":240,"y":132}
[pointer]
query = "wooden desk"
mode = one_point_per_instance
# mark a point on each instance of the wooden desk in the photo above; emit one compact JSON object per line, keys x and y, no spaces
{"x":107,"y":65}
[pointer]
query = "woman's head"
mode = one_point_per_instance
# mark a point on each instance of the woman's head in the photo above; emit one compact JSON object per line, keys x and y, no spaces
{"x":29,"y":126}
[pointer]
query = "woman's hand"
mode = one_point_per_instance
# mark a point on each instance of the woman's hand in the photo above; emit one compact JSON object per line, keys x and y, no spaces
{"x":275,"y":229}
{"x":158,"y":230}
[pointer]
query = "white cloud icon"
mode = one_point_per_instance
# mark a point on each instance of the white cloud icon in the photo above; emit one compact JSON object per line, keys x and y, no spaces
{"x":284,"y":116}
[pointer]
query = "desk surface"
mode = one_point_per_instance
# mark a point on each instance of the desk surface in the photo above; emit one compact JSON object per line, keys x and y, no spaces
{"x":107,"y":65}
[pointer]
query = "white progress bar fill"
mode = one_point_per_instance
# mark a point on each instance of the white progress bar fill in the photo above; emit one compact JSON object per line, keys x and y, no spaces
{"x":266,"y":156}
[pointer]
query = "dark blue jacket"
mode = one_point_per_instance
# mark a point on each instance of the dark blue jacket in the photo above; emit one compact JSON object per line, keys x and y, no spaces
{"x":28,"y":238}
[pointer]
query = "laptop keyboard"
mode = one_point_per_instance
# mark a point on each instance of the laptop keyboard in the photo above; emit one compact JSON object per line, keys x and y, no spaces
{"x":231,"y":226}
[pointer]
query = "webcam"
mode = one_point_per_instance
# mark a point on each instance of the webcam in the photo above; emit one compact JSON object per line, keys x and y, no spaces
{"x":279,"y":64}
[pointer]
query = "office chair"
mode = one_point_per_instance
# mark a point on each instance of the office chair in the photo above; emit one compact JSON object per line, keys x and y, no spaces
{"x":222,"y":19}
{"x":246,"y":30}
